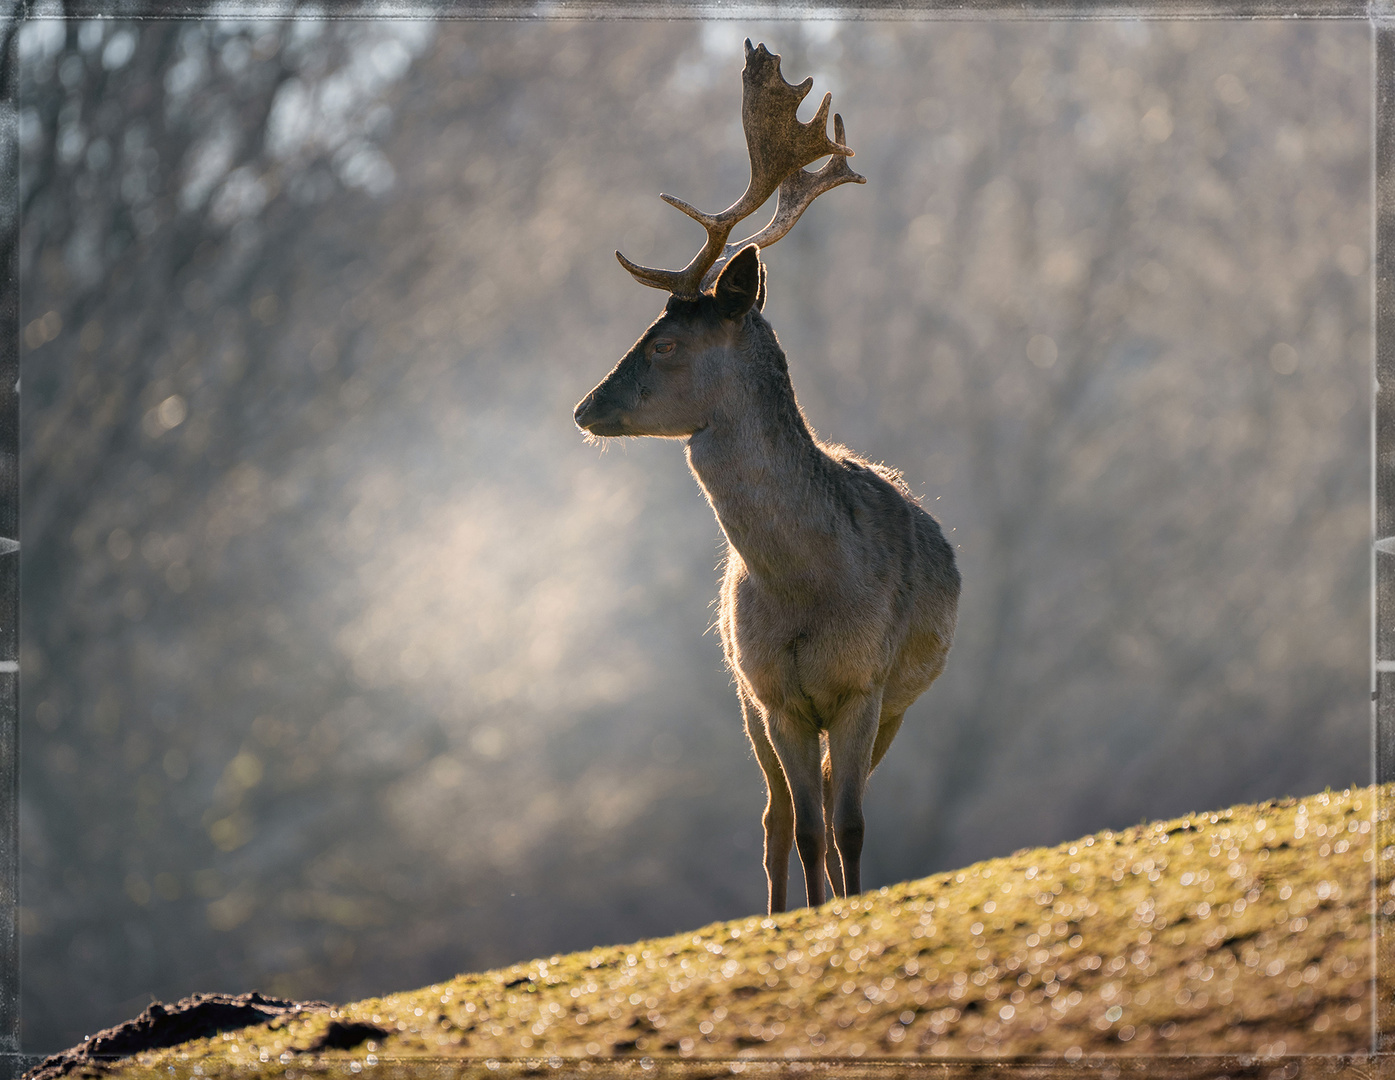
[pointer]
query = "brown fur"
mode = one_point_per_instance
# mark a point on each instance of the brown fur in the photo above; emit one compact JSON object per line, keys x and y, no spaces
{"x":839,"y":599}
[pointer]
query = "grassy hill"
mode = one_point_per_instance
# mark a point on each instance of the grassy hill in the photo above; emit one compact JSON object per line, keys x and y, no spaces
{"x":1247,"y":932}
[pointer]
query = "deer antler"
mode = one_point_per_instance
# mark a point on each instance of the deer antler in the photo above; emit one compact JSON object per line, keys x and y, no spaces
{"x":780,"y":145}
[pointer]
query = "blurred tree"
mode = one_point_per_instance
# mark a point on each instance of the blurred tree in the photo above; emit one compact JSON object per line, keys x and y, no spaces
{"x":167,"y":173}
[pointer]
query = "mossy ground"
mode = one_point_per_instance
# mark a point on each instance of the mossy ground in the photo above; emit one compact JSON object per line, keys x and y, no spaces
{"x":1248,"y":931}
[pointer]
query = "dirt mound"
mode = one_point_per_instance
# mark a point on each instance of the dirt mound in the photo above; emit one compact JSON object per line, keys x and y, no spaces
{"x":162,"y":1025}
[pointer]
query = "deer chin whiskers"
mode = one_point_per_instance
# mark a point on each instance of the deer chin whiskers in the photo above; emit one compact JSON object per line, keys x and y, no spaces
{"x":839,"y":595}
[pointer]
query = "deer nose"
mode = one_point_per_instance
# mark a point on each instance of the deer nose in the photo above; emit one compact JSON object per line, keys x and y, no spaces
{"x":599,"y":415}
{"x":593,"y":410}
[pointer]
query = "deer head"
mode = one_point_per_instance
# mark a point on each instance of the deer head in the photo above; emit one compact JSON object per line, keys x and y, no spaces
{"x":666,"y":384}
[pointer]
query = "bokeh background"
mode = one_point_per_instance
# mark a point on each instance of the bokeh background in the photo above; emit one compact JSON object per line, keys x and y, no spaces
{"x":348,"y":665}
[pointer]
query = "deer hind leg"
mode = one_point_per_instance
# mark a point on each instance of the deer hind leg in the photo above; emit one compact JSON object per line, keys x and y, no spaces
{"x":797,"y":744}
{"x":832,"y":863}
{"x":886,"y":731}
{"x":852,"y":740}
{"x":779,"y":810}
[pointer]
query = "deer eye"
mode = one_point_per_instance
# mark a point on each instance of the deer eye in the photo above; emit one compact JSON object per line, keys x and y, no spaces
{"x":663,"y":348}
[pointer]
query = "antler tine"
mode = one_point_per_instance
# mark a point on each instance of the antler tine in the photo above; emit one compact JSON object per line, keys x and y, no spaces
{"x":779,"y":146}
{"x":797,"y":191}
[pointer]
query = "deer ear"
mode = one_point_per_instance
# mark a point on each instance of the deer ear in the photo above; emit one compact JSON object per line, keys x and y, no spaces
{"x":760,"y":295}
{"x":739,"y":284}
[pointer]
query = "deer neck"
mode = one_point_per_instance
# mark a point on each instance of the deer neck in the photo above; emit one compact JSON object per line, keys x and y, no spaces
{"x":759,"y":466}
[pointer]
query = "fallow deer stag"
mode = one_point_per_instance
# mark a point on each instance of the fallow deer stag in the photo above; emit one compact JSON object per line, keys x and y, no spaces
{"x":840,"y":592}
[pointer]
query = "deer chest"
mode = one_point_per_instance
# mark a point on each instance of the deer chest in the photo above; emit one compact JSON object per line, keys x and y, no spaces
{"x":802,"y":659}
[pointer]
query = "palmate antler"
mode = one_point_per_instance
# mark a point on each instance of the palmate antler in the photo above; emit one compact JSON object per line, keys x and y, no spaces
{"x":780,"y":146}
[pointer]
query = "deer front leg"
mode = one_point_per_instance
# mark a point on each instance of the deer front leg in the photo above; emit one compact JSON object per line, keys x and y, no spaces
{"x":851,"y":738}
{"x":832,"y":863}
{"x":779,"y":810}
{"x":797,"y":745}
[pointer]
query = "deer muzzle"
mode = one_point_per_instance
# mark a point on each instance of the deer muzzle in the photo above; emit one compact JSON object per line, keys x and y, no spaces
{"x":601,"y":412}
